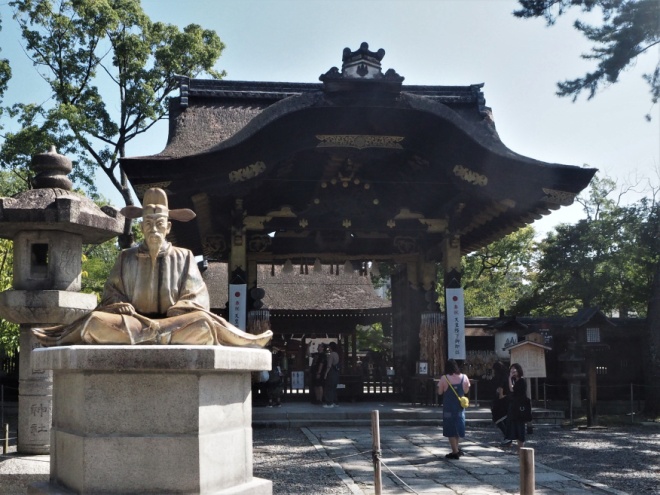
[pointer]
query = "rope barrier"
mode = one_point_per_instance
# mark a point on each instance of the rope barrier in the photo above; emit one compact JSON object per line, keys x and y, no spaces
{"x":412,"y":490}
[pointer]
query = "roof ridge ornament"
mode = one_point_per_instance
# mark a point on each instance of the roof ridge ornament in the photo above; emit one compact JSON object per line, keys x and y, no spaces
{"x":361,"y":70}
{"x":362,"y":62}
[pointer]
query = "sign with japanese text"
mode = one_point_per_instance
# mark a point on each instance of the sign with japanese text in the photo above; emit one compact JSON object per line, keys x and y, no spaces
{"x":531,"y":358}
{"x":455,"y":324}
{"x":297,"y":380}
{"x":237,"y":303}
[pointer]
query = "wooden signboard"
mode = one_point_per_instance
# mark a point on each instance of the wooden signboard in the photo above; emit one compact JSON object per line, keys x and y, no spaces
{"x":531,"y":357}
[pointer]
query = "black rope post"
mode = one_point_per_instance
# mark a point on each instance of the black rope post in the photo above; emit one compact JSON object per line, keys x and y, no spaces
{"x":375,"y":452}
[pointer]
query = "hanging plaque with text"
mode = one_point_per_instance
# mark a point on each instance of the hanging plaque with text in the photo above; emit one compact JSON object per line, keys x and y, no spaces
{"x":237,"y":302}
{"x":455,"y":324}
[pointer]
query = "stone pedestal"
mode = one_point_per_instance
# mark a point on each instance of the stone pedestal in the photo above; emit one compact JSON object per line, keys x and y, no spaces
{"x":152,"y":419}
{"x":34,"y":399}
{"x":29,"y":308}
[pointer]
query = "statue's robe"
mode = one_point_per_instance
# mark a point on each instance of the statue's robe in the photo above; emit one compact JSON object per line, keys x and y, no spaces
{"x":152,"y":301}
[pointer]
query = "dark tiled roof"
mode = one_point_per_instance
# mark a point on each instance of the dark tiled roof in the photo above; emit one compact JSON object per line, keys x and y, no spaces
{"x":202,"y":127}
{"x":274,"y":91}
{"x":586,"y":315}
{"x":295,"y":291}
{"x":209,"y":111}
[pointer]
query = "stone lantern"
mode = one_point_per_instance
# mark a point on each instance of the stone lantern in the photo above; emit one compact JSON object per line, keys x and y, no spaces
{"x":48,"y":226}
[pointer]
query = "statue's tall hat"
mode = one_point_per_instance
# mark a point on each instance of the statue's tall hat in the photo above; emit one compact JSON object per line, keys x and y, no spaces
{"x":155,"y":203}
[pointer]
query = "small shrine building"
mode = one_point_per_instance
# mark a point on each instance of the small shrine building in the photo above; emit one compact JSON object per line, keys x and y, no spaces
{"x":353,"y":171}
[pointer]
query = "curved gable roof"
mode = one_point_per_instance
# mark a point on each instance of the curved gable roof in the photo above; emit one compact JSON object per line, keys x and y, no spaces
{"x":359,"y":165}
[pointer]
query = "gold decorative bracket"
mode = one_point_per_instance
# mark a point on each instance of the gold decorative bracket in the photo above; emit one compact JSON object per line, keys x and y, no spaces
{"x":470,"y":176}
{"x":359,"y":141}
{"x":562,"y":198}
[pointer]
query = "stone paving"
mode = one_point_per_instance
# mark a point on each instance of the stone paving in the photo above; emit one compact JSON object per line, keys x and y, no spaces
{"x":413,"y":460}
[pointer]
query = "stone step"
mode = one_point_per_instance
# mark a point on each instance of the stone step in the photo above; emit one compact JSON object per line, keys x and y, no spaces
{"x":295,"y":415}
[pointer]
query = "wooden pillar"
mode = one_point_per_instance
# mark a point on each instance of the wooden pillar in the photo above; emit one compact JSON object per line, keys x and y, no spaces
{"x":354,"y":345}
{"x":592,"y":389}
{"x":527,"y":474}
{"x":252,"y":283}
{"x":252,"y":274}
{"x":407,"y":306}
{"x":238,"y":254}
{"x":451,"y":262}
{"x":237,"y":268}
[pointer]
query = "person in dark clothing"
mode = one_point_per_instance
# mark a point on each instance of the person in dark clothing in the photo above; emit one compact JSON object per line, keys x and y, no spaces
{"x":500,"y":405}
{"x":518,"y":387}
{"x":317,"y":370}
{"x":276,"y":381}
{"x":331,"y":376}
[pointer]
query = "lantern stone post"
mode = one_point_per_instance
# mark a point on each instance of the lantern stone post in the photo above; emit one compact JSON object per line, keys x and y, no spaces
{"x":48,"y":226}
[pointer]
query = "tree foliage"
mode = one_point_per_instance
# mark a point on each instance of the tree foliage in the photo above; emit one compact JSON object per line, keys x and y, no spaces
{"x":10,"y":184}
{"x":497,"y":275}
{"x":38,"y":131}
{"x":371,"y":337}
{"x":8,"y":331}
{"x":606,"y":260}
{"x":5,"y":75}
{"x":629,"y":28}
{"x":78,"y":46}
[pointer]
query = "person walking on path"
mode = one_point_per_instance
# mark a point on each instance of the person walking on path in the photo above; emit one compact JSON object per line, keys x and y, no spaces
{"x":276,"y":380}
{"x":331,"y":377}
{"x":518,"y":392}
{"x":500,"y":407}
{"x":453,"y":415}
{"x":318,"y":368}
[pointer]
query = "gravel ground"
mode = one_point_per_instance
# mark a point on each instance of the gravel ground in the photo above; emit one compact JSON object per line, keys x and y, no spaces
{"x":292,"y":463}
{"x":624,"y":458}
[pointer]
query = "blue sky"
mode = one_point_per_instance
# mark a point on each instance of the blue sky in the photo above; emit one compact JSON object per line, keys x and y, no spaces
{"x":435,"y":42}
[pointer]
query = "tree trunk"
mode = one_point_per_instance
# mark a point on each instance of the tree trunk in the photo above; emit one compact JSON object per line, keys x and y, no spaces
{"x":652,"y":365}
{"x":126,"y":239}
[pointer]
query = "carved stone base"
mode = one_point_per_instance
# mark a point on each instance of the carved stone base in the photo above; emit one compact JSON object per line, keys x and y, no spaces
{"x":152,"y":419}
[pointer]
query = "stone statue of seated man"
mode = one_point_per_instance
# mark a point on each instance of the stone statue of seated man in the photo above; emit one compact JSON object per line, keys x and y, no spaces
{"x":155,"y":294}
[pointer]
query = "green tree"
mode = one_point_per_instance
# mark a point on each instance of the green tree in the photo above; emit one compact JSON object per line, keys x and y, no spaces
{"x":629,"y":28}
{"x":37,"y":132}
{"x":9,"y":185}
{"x":5,"y":75}
{"x":371,"y":337}
{"x":78,"y":46}
{"x":603,"y":260}
{"x":651,"y":238}
{"x":8,"y":331}
{"x":496,"y":276}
